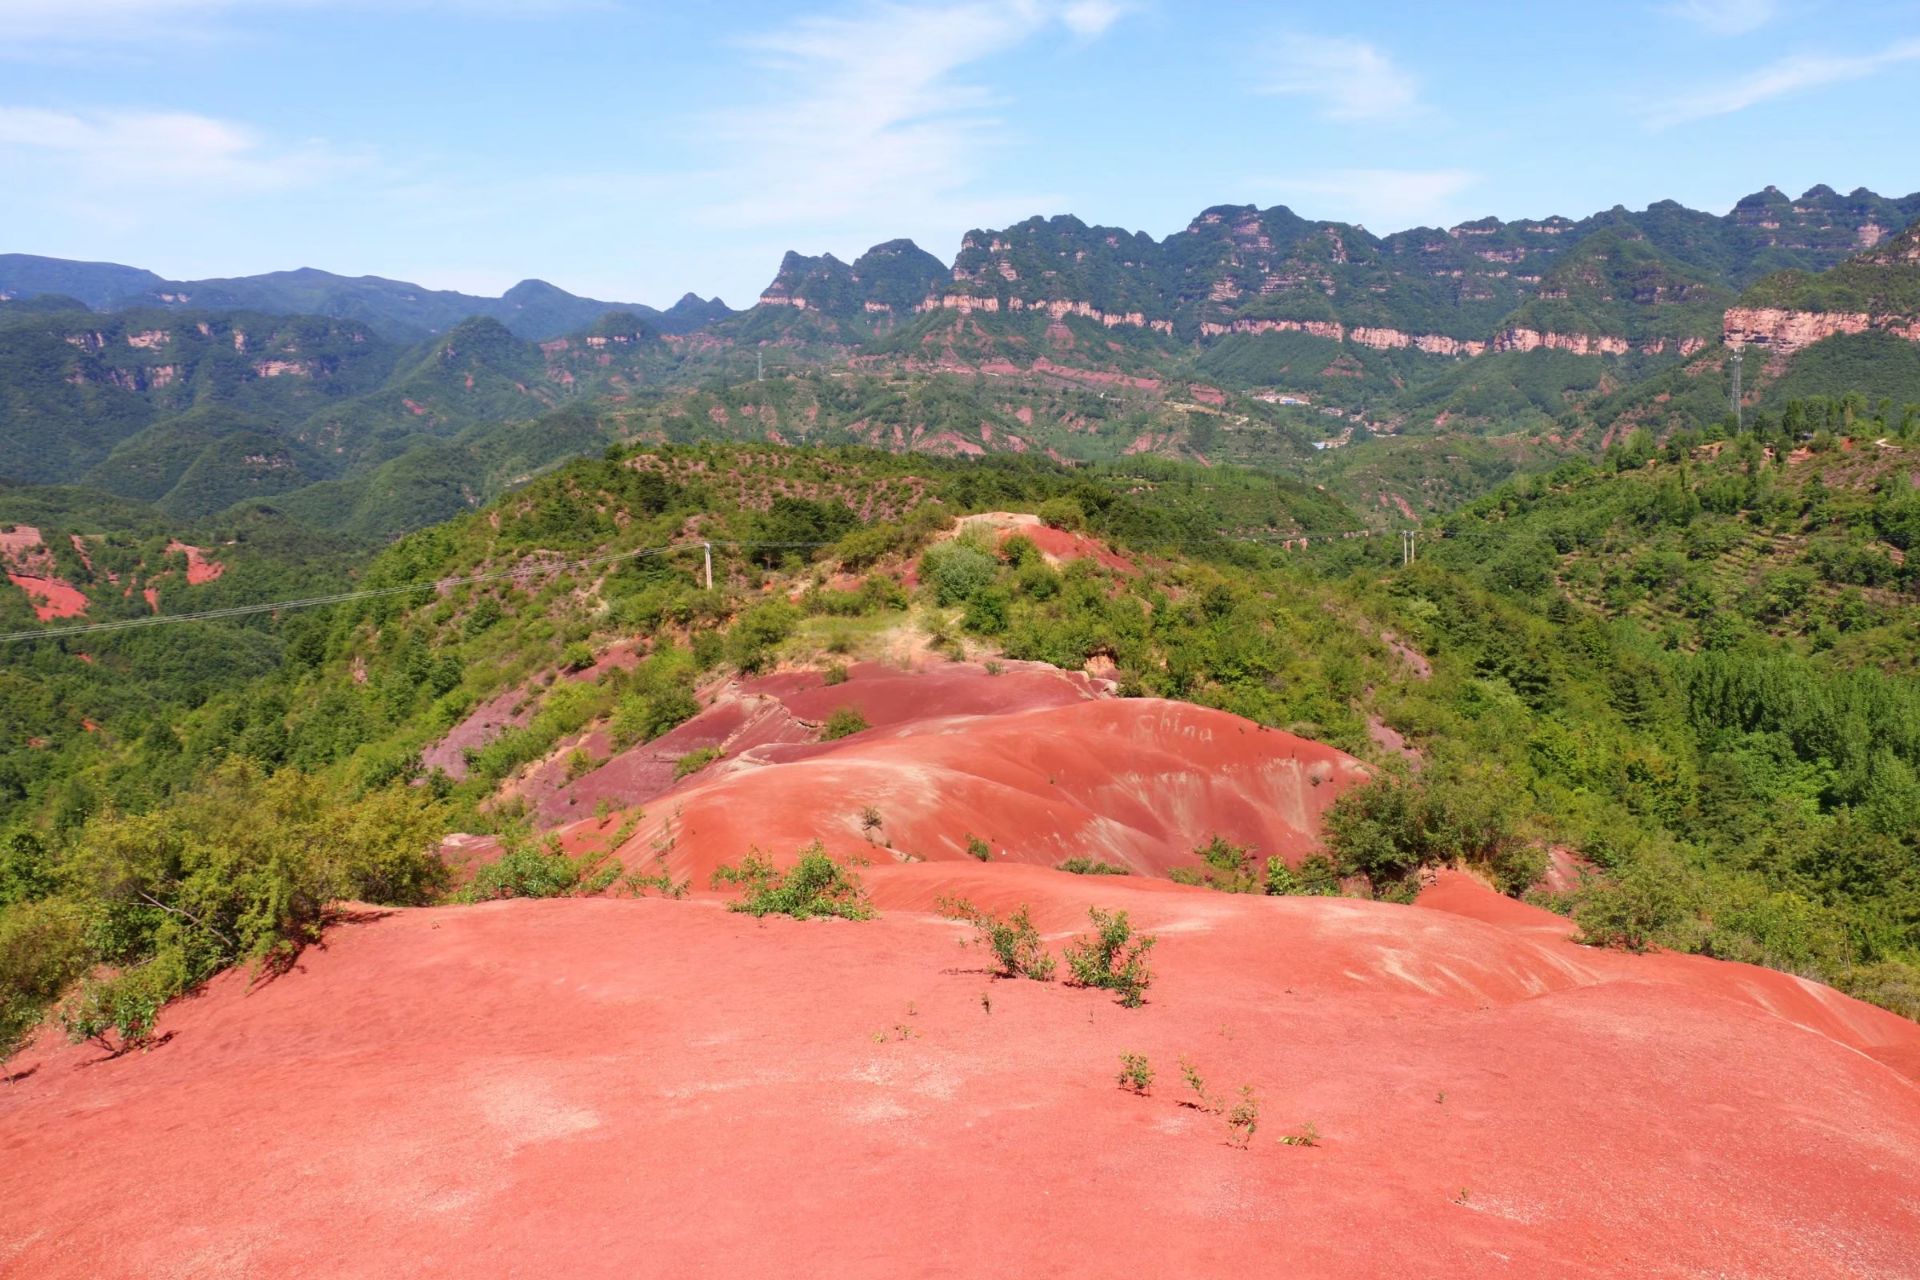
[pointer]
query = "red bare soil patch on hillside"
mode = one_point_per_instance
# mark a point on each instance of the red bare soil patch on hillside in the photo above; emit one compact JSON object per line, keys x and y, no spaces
{"x":1138,"y":782}
{"x":29,"y":565}
{"x":790,"y":708}
{"x":199,"y":568}
{"x":616,"y":1088}
{"x":51,"y":598}
{"x":1056,"y":546}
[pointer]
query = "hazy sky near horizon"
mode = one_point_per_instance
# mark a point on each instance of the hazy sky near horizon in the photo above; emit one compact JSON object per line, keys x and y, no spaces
{"x":633,"y":151}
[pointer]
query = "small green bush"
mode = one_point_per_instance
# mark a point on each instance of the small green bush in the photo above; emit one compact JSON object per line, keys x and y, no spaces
{"x":1062,"y":513}
{"x":1136,"y":1073}
{"x":1090,"y":867}
{"x":1316,"y":877}
{"x":978,"y":848}
{"x":644,"y":714}
{"x":814,"y":886}
{"x":1391,"y":827}
{"x":694,"y":761}
{"x":1243,"y":1117}
{"x":759,"y":632}
{"x":1230,"y":867}
{"x":1307,"y":1136}
{"x":844,"y":722}
{"x":1190,"y":1072}
{"x":1014,"y":942}
{"x":1112,"y":959}
{"x":43,"y":948}
{"x":662,"y":880}
{"x":541,"y":869}
{"x":1634,"y":909}
{"x":957,"y":572}
{"x":123,"y":1006}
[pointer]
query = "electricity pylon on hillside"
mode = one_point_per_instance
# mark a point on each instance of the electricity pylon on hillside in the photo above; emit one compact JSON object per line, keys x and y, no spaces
{"x":1738,"y":358}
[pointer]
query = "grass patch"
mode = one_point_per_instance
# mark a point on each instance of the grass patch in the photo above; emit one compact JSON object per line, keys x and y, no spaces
{"x":694,"y":761}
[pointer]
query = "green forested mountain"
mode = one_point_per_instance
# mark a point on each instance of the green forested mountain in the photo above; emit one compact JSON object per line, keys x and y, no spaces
{"x":889,"y":278}
{"x":196,"y":411}
{"x":398,"y":310}
{"x":1253,"y":335}
{"x":1882,"y":282}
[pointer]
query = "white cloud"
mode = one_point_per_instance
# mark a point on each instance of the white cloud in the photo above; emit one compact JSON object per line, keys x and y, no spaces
{"x":1725,"y":17}
{"x":1382,"y":199}
{"x":151,"y":151}
{"x":1346,"y":79}
{"x":29,"y":27}
{"x":1795,"y":74}
{"x":873,"y":113}
{"x":1090,"y":18}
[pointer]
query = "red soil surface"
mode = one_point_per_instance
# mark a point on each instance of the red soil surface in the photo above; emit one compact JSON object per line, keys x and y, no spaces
{"x":510,"y":710}
{"x":22,"y":548}
{"x":1057,"y":546}
{"x":30,"y":567}
{"x":199,"y":568}
{"x":51,"y":598}
{"x":791,"y":708}
{"x":1138,"y":782}
{"x":646,"y":1088}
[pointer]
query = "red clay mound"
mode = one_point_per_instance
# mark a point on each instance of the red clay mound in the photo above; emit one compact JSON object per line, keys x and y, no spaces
{"x":605,"y":1087}
{"x":1137,"y":782}
{"x":1812,"y":1005}
{"x":1057,"y":546}
{"x":788,"y":709}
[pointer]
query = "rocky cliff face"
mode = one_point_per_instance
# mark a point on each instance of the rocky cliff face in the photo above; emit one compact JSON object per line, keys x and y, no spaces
{"x":888,"y":279}
{"x":1875,"y":290}
{"x":1614,"y":284}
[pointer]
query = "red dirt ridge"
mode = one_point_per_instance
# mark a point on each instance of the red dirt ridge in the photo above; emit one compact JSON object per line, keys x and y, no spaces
{"x":622,"y":1087}
{"x":609,"y":1087}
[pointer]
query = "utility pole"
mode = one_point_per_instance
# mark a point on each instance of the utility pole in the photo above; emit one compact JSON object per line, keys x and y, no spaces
{"x":1407,"y":551}
{"x":1738,"y":357}
{"x":707,"y":554}
{"x":759,"y":366}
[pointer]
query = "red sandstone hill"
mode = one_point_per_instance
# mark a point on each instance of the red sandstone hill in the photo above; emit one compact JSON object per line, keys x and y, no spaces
{"x":621,"y":1087}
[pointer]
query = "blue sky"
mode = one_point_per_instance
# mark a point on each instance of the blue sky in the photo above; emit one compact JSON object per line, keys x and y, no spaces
{"x":635,"y":150}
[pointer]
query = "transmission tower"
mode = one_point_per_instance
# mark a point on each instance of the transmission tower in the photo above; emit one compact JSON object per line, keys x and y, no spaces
{"x":1738,"y":357}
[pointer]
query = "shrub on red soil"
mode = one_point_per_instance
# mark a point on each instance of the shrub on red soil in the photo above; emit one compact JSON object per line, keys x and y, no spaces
{"x":1014,"y":941}
{"x":1112,"y":959}
{"x":814,"y":886}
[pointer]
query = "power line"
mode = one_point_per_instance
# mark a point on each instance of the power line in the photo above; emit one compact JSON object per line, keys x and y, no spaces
{"x":443,"y":584}
{"x":344,"y":597}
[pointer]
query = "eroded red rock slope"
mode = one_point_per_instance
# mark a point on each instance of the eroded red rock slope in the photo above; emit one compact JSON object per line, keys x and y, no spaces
{"x":620,"y":1088}
{"x":617,"y":1087}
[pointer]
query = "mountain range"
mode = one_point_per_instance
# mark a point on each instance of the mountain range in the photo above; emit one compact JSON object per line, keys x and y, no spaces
{"x":371,"y":406}
{"x":532,"y":308}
